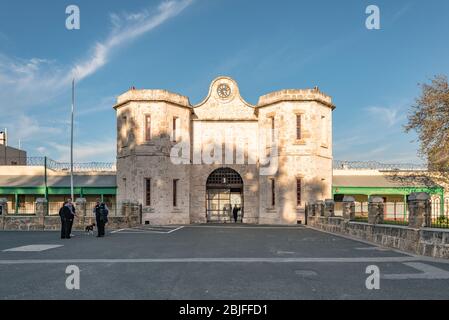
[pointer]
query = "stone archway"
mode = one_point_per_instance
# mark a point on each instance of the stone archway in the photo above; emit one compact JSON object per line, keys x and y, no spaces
{"x":224,"y":190}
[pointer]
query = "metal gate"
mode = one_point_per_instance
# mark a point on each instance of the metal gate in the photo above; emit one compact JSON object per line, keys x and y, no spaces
{"x":224,"y":191}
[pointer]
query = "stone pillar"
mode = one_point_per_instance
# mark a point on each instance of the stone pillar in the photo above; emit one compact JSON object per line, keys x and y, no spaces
{"x":80,"y":207}
{"x":420,"y":210}
{"x":3,"y":211}
{"x":3,"y":206}
{"x":349,"y":208}
{"x":375,"y":210}
{"x":319,"y":205}
{"x":329,"y":208}
{"x":41,"y":211}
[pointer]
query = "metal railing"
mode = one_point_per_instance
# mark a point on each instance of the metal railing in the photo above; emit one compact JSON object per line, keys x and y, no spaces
{"x":374,"y":165}
{"x":26,"y":208}
{"x":397,"y":213}
{"x":111,"y":166}
{"x":440,"y":213}
{"x":58,"y":166}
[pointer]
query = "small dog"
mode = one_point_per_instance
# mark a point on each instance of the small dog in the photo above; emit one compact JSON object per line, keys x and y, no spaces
{"x":90,"y":228}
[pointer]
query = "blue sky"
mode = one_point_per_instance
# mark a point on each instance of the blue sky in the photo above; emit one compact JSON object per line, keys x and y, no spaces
{"x":183,"y":45}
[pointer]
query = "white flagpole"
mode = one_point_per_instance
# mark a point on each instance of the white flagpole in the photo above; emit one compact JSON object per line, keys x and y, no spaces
{"x":71,"y":141}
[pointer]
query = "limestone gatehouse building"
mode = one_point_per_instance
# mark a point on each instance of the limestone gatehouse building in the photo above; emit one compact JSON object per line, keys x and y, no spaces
{"x":194,"y":163}
{"x":179,"y":163}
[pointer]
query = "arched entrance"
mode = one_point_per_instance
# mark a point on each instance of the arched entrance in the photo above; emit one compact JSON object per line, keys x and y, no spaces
{"x":224,"y":191}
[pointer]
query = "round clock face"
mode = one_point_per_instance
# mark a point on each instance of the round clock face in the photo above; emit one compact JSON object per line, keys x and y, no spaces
{"x":223,"y":91}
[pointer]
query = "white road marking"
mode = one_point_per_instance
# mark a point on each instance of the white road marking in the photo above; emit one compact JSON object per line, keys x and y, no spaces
{"x":428,"y":273}
{"x":115,"y":231}
{"x":214,"y":260}
{"x":33,"y":248}
{"x":285,"y":252}
{"x":138,"y":230}
{"x":141,"y":232}
{"x":231,"y":226}
{"x":179,"y":228}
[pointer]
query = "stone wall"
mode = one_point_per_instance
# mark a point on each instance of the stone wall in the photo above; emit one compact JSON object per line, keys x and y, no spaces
{"x":130,"y":217}
{"x":425,"y":241}
{"x":416,"y":238}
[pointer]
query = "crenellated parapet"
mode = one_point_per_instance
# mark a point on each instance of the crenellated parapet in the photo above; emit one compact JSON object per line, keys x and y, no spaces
{"x":135,"y":95}
{"x":295,"y":95}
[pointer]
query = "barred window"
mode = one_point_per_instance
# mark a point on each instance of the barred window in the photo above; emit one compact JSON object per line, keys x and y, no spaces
{"x":273,"y":126}
{"x":175,"y":137}
{"x":175,"y":192}
{"x":298,"y":127}
{"x":148,"y":192}
{"x":298,"y":191}
{"x":224,"y":176}
{"x":147,"y":128}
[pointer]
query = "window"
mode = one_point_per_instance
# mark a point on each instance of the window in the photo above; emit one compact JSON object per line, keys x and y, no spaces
{"x":298,"y":191}
{"x":175,"y":192}
{"x":175,"y":133}
{"x":272,"y":128}
{"x":298,"y":127}
{"x":148,"y":192}
{"x":324,"y":141}
{"x":147,"y":128}
{"x":273,"y":192}
{"x":124,"y":132}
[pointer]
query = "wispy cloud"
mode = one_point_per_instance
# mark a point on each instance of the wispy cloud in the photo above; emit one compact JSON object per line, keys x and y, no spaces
{"x":392,"y":115}
{"x":27,"y":83}
{"x":127,"y":27}
{"x":26,"y":129}
{"x":86,"y":151}
{"x":32,"y":81}
{"x":103,"y":104}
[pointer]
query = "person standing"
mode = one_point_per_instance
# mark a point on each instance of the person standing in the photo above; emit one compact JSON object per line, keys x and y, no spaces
{"x":65,"y":215}
{"x":235,"y":212}
{"x":72,"y":215}
{"x":101,"y":212}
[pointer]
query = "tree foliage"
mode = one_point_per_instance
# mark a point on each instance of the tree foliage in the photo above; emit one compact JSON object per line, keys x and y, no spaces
{"x":429,"y":117}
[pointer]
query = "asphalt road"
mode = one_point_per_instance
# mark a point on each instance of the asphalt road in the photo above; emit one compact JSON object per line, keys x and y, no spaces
{"x":212,"y":262}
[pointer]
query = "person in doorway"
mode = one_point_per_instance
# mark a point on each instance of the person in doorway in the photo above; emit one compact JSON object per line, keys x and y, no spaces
{"x":72,"y":216}
{"x":65,"y":215}
{"x":235,"y":212}
{"x":101,"y":212}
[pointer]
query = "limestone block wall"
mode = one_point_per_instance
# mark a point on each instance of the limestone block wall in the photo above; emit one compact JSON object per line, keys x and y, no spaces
{"x":141,"y":157}
{"x":308,"y":159}
{"x":246,"y":132}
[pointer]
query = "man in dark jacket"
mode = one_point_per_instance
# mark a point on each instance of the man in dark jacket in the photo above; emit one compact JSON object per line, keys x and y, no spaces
{"x":101,"y":216}
{"x":69,"y":204}
{"x":66,"y":220}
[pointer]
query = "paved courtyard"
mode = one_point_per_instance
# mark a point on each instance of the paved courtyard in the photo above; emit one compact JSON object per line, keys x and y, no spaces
{"x":212,"y":262}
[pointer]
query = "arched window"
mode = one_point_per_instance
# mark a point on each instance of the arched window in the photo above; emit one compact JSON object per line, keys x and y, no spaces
{"x":224,"y":177}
